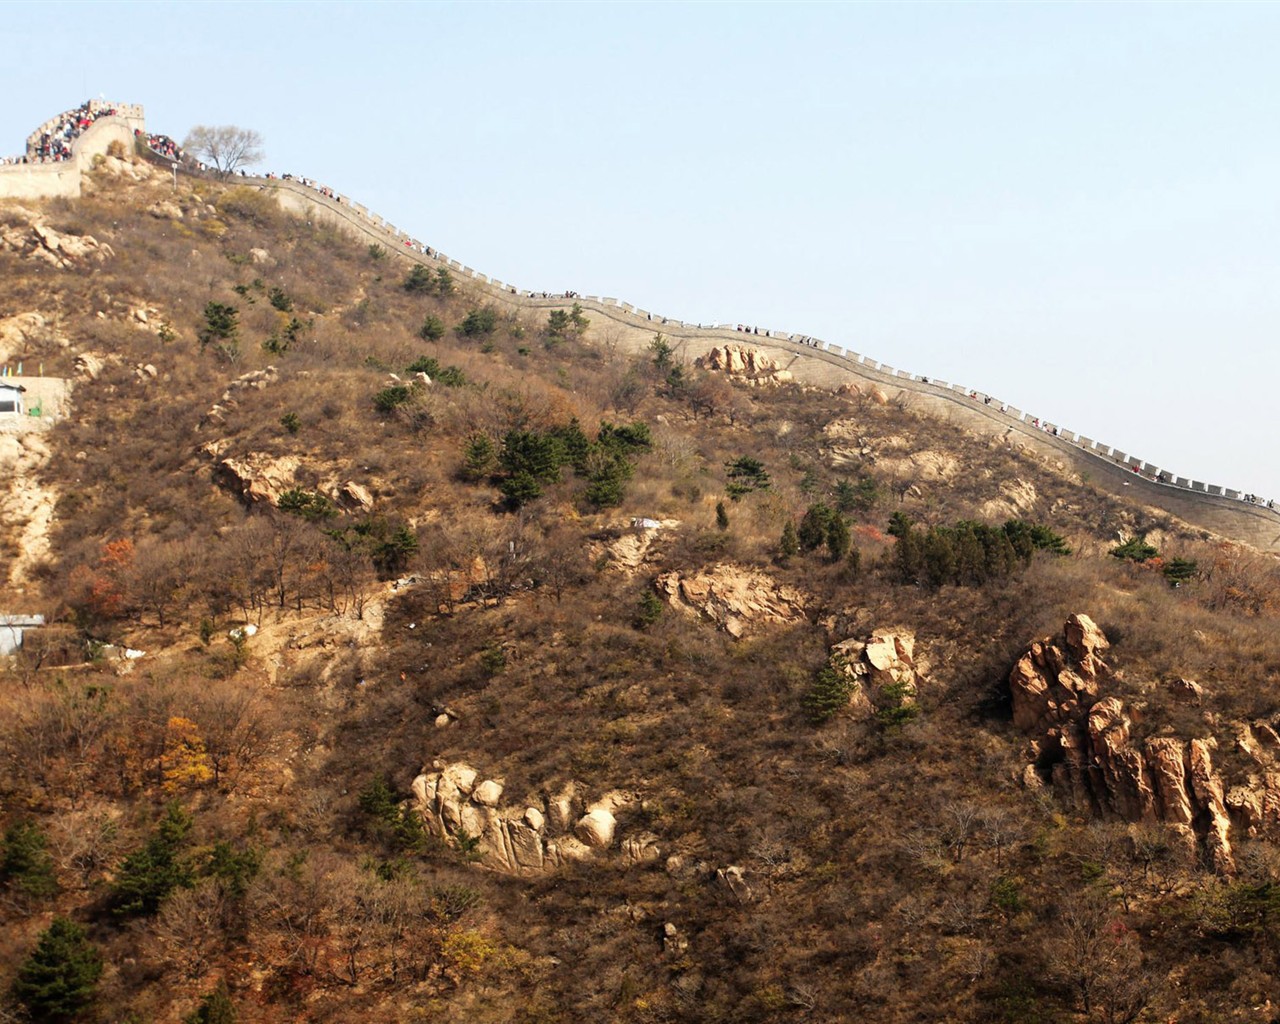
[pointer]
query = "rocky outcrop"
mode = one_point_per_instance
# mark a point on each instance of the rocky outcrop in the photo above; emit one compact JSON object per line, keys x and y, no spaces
{"x":254,"y":380}
{"x":25,"y":334}
{"x":733,"y":882}
{"x":1185,"y":691}
{"x":90,"y":365}
{"x":850,"y":443}
{"x":523,"y":838}
{"x":1017,"y":498}
{"x":255,"y":476}
{"x":734,"y":597}
{"x":355,"y":496}
{"x":628,"y":548}
{"x":1084,"y":746}
{"x":165,"y":209}
{"x":886,"y":658}
{"x":39,"y":242}
{"x":743,"y":362}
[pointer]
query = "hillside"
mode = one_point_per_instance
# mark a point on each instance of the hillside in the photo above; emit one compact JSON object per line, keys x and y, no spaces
{"x":506,"y":661}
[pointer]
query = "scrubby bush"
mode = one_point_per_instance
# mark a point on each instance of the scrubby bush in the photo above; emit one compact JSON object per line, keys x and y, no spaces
{"x":221,"y":323}
{"x":478,"y":321}
{"x":861,"y":496}
{"x":789,"y":544}
{"x":812,"y":532}
{"x":391,"y":398}
{"x":648,"y":610}
{"x":432,"y":328}
{"x":309,"y":505}
{"x":1181,"y":570}
{"x":449,"y":376}
{"x":828,"y":694}
{"x":419,"y":281}
{"x":563,"y":324}
{"x":386,"y":820}
{"x":215,"y":1008}
{"x":1135,"y":549}
{"x":146,"y":877}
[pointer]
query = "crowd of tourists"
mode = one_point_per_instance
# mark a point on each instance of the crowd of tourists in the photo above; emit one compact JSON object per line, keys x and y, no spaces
{"x":54,"y":144}
{"x":162,"y":145}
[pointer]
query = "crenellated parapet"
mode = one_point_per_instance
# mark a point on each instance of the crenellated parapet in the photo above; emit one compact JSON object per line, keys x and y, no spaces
{"x":1225,"y":510}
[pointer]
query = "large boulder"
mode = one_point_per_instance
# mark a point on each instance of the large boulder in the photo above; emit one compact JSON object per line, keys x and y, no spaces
{"x":27,"y":333}
{"x":885,"y":658}
{"x":596,"y":828}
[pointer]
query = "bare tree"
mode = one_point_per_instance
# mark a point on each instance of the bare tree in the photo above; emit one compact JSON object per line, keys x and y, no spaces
{"x":227,"y":147}
{"x":188,"y":928}
{"x":959,"y":824}
{"x":1099,"y":957}
{"x":561,"y":563}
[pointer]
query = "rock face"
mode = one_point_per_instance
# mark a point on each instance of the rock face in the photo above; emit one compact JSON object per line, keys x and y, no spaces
{"x":255,"y":476}
{"x":1086,"y":750}
{"x":37,"y":241}
{"x":628,"y":548}
{"x":734,"y":597}
{"x":522,"y":839}
{"x":355,"y":496}
{"x":747,"y":363}
{"x":885,"y":658}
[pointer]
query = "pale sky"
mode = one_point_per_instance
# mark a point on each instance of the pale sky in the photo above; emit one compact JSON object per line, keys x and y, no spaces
{"x":1074,"y":207}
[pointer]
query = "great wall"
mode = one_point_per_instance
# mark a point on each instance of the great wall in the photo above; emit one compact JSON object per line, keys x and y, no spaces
{"x":811,"y":361}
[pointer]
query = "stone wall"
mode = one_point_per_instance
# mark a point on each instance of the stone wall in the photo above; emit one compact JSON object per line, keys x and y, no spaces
{"x":817,"y":362}
{"x":48,"y":181}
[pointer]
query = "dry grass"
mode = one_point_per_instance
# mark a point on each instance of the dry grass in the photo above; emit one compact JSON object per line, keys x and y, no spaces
{"x":860,"y":908}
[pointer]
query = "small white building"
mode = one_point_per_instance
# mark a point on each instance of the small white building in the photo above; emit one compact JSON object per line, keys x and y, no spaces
{"x":12,"y":628}
{"x":11,"y":399}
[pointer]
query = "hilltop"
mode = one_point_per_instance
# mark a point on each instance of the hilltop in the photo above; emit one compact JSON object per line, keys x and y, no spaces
{"x":507,"y":658}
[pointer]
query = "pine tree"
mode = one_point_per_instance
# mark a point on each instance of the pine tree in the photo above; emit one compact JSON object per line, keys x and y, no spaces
{"x":790,"y":543}
{"x":26,"y":865}
{"x":147,"y":876}
{"x":214,"y":1008}
{"x":854,"y":563}
{"x":838,"y":540}
{"x":814,"y":524}
{"x":57,"y":980}
{"x":828,"y":694}
{"x":722,"y":516}
{"x":648,"y":611}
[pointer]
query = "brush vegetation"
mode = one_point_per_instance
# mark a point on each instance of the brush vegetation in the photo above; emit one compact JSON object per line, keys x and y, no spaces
{"x":222,"y":832}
